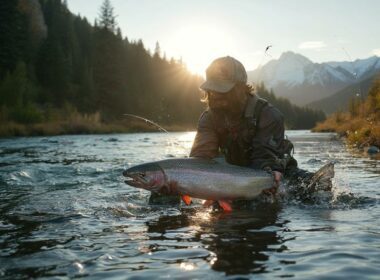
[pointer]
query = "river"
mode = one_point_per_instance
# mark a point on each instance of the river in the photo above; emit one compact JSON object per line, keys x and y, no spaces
{"x":65,"y":212}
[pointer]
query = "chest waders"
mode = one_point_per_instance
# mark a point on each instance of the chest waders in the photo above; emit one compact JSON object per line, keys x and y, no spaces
{"x":236,"y":139}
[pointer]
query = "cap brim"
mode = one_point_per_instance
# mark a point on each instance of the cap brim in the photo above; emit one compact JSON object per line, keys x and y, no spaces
{"x":218,"y":86}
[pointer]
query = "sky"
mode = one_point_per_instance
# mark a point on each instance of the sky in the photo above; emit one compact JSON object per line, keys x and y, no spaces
{"x":198,"y":31}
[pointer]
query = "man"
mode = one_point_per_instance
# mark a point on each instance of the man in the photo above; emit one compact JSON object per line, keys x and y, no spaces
{"x":246,"y":129}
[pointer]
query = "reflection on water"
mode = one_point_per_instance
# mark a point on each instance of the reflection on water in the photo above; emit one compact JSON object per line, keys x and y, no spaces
{"x":65,"y":212}
{"x":242,"y":241}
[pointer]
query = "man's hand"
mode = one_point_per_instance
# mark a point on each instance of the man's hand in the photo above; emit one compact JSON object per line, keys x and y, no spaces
{"x":276,"y":184}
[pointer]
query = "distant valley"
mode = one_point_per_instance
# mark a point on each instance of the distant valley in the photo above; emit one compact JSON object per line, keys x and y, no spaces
{"x":327,"y":86}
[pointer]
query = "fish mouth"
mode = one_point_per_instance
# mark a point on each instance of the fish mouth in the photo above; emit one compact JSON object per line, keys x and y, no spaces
{"x":135,"y":180}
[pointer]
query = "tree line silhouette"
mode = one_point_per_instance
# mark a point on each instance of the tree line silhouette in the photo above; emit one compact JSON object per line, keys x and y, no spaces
{"x":51,"y":59}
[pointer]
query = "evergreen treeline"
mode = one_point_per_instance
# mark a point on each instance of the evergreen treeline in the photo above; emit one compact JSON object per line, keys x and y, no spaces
{"x":53,"y":63}
{"x":295,"y":117}
{"x":50,"y":58}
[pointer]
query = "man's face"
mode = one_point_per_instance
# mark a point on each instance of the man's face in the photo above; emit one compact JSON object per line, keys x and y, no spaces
{"x":218,"y":101}
{"x":227,"y":102}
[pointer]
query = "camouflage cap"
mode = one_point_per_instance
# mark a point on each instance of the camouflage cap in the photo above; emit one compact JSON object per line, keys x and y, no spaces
{"x":223,"y":73}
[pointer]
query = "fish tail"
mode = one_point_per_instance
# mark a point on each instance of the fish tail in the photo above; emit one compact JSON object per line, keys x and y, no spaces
{"x":321,"y":180}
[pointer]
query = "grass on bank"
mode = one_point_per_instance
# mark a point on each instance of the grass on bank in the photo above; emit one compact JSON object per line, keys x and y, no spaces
{"x":69,"y":121}
{"x":361,"y":124}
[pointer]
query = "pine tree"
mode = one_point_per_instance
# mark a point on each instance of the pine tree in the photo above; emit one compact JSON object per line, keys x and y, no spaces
{"x":107,"y":19}
{"x":13,"y":34}
{"x":157,"y":51}
{"x":109,"y":65}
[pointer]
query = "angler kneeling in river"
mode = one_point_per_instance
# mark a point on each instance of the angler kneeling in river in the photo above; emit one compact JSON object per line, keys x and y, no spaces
{"x":246,"y":129}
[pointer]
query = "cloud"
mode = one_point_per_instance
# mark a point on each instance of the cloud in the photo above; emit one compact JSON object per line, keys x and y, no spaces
{"x":376,"y":52}
{"x":314,"y":45}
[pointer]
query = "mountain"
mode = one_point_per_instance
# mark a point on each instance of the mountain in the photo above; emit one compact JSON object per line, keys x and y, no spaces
{"x":302,"y":81}
{"x":341,"y":99}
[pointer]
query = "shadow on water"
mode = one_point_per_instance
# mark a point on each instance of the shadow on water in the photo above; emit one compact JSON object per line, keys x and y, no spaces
{"x":237,"y":243}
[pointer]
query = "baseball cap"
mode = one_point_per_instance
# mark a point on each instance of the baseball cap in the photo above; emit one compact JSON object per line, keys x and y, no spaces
{"x":223,"y":73}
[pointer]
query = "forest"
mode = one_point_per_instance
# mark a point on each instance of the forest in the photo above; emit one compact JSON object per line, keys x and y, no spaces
{"x":61,"y":74}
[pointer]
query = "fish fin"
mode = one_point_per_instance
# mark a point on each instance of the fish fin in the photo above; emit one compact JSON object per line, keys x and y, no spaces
{"x":208,"y":203}
{"x":226,"y":205}
{"x":186,"y":199}
{"x":321,"y":180}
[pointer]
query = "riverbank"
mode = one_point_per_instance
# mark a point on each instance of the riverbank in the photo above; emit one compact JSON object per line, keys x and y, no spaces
{"x":82,"y":126}
{"x":359,"y":132}
{"x":361,"y":124}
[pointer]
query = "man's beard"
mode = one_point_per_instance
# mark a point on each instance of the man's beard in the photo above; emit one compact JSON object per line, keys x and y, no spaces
{"x":233,"y":108}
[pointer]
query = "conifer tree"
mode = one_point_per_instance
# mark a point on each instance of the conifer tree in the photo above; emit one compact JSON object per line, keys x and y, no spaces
{"x":107,"y":19}
{"x":109,"y":64}
{"x":157,"y":50}
{"x":12,"y":36}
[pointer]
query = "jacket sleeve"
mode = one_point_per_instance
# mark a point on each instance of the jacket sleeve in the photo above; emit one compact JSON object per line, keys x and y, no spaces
{"x":206,"y":143}
{"x":267,"y":143}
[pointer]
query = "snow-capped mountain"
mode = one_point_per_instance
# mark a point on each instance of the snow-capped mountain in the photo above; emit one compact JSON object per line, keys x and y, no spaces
{"x":359,"y":67}
{"x":302,"y":81}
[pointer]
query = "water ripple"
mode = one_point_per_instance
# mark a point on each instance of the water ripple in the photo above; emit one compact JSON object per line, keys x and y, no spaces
{"x":66,"y":213}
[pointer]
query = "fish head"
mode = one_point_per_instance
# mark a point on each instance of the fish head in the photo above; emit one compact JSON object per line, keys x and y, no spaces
{"x":148,"y":176}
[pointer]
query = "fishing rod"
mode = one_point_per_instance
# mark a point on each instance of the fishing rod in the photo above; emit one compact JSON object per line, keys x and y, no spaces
{"x":147,"y":121}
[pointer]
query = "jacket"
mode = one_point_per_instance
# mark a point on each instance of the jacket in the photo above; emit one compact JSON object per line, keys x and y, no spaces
{"x":255,"y":140}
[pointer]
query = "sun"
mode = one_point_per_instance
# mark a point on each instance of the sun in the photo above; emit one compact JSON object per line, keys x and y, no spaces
{"x":199,"y":44}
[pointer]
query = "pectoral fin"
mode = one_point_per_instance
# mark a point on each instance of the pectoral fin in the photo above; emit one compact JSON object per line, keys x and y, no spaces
{"x":186,"y":199}
{"x":226,"y":205}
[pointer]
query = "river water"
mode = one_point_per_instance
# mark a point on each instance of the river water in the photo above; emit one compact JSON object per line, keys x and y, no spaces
{"x":65,"y":212}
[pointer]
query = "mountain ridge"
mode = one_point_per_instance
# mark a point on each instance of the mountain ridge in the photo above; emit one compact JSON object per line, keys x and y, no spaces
{"x":302,"y":81}
{"x":341,"y":99}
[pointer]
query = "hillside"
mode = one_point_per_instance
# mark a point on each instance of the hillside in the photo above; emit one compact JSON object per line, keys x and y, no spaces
{"x":296,"y":117}
{"x":340,"y":100}
{"x":361,"y":124}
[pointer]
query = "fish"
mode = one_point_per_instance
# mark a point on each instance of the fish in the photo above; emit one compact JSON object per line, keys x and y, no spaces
{"x":207,"y":179}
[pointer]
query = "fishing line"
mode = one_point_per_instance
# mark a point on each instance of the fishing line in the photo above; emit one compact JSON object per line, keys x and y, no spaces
{"x":147,"y":121}
{"x":171,"y":142}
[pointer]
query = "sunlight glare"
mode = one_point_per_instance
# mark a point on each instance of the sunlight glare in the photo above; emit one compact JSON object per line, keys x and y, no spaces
{"x":199,"y":44}
{"x":187,"y":266}
{"x":187,"y":139}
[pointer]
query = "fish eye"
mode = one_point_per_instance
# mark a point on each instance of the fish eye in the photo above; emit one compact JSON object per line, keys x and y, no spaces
{"x":142,"y":174}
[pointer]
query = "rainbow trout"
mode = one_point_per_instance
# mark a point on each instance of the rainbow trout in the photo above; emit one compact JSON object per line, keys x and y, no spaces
{"x":206,"y":179}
